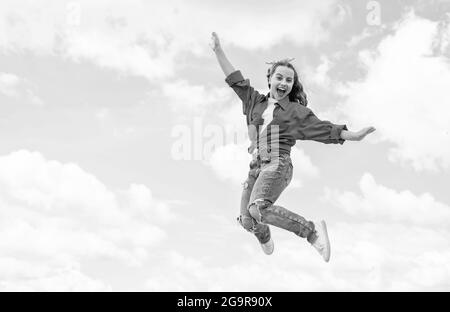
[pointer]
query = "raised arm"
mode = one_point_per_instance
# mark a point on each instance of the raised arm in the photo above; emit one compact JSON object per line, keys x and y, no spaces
{"x":224,"y":63}
{"x":235,"y":80}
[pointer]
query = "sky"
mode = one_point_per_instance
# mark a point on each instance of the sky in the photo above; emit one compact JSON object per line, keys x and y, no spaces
{"x":123,"y":150}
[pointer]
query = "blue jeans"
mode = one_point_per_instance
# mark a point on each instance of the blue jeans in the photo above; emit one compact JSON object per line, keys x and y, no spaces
{"x":266,"y":181}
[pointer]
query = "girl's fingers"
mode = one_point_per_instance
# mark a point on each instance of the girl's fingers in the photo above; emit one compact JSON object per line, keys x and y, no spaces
{"x":365,"y":132}
{"x":214,"y":40}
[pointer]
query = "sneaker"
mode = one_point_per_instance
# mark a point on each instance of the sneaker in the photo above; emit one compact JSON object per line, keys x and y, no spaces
{"x":322,"y":243}
{"x":268,"y":247}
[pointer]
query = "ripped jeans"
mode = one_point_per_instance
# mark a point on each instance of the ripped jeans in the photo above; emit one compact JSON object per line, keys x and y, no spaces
{"x":266,"y":180}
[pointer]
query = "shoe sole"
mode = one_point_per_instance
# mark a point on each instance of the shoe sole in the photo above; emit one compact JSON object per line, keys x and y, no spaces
{"x":327,"y":256}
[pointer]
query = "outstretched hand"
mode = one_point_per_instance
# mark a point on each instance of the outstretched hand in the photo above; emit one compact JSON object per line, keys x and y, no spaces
{"x":361,"y":134}
{"x":215,"y":42}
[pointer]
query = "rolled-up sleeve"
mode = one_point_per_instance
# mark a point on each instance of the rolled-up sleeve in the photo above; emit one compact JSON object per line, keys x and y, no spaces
{"x":310,"y":127}
{"x":243,"y":89}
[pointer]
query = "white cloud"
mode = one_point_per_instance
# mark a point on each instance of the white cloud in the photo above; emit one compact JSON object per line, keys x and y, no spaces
{"x":405,"y":95}
{"x":20,"y":275}
{"x":44,"y":239}
{"x":142,"y":203}
{"x":259,"y":275}
{"x":307,"y":16}
{"x":432,"y":268}
{"x":380,"y":202}
{"x":52,"y":214}
{"x":19,"y":88}
{"x":389,"y":254}
{"x":146,"y":39}
{"x":8,"y":84}
{"x":231,"y":162}
{"x":303,"y":166}
{"x":404,"y":247}
{"x":319,"y":75}
{"x":407,"y":236}
{"x":365,"y":257}
{"x":368,"y":33}
{"x":185,"y":98}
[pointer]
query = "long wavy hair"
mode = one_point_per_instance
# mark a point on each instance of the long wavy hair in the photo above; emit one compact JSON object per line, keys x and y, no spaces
{"x":297,"y":93}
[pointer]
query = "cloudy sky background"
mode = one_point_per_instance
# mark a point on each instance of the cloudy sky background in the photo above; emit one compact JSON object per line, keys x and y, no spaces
{"x":96,"y":97}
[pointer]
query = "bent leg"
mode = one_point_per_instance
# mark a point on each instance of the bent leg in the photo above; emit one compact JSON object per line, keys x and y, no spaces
{"x":271,"y":182}
{"x":261,"y":231}
{"x":265,"y":213}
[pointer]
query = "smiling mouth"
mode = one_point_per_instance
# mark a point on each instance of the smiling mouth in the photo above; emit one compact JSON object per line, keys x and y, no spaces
{"x":281,"y":92}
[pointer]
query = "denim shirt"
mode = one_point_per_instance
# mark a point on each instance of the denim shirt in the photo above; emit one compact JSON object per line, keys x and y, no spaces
{"x":294,"y":121}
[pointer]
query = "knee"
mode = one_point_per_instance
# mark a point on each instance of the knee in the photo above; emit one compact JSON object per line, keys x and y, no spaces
{"x":247,"y":223}
{"x":249,"y":182}
{"x":256,"y":209}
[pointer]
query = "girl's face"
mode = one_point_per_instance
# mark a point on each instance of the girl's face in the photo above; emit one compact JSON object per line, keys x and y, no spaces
{"x":281,"y":82}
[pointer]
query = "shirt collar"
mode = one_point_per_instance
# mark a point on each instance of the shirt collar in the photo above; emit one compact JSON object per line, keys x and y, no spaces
{"x":283,"y":103}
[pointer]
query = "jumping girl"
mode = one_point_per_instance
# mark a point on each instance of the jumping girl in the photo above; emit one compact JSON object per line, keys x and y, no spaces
{"x":275,"y":121}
